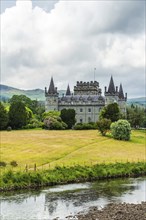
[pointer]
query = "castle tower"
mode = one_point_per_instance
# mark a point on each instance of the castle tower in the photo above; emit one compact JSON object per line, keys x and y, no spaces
{"x":68,"y":91}
{"x":87,"y":88}
{"x":51,"y":97}
{"x":112,"y":94}
{"x":122,"y":100}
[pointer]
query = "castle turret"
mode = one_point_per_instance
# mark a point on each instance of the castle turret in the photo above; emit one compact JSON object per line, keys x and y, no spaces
{"x":51,"y":97}
{"x":68,"y":91}
{"x":111,"y":88}
{"x":112,"y":94}
{"x":122,"y":100}
{"x":121,"y":94}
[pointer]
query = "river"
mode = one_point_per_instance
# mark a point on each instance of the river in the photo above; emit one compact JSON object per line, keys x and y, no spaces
{"x":64,"y":200}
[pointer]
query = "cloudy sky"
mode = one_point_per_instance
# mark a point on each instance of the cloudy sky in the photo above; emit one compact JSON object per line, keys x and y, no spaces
{"x":68,"y":39}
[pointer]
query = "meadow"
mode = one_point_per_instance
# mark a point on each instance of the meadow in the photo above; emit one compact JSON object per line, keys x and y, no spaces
{"x":48,"y":149}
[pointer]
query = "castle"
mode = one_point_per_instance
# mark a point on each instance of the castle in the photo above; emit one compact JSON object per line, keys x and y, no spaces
{"x":86,"y":100}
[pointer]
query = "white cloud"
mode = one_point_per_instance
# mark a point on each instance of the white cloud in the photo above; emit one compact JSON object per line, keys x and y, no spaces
{"x":70,"y":40}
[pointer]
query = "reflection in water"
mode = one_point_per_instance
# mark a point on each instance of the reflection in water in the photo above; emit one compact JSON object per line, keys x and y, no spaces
{"x":61,"y":201}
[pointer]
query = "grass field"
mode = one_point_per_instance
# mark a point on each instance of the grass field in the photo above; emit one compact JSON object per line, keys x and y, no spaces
{"x":51,"y":148}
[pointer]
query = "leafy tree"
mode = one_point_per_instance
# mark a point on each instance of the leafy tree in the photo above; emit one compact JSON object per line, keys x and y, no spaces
{"x":103,"y":125}
{"x":22,"y":98}
{"x":3,"y":117}
{"x":36,"y":107}
{"x":51,"y":114}
{"x":17,"y":115}
{"x":68,"y":116}
{"x":136,"y":116}
{"x":111,"y":112}
{"x":121,"y":130}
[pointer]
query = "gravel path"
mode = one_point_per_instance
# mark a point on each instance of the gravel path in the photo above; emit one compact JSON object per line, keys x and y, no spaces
{"x":121,"y":211}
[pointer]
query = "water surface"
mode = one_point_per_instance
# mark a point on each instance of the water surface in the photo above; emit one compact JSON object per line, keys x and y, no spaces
{"x":65,"y":200}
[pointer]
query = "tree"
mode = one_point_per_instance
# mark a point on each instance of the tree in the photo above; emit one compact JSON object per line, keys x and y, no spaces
{"x":17,"y":115}
{"x":103,"y":125}
{"x":121,"y":130}
{"x":111,"y":112}
{"x":68,"y":117}
{"x":3,"y":117}
{"x":36,"y":107}
{"x":136,"y":116}
{"x":51,"y":114}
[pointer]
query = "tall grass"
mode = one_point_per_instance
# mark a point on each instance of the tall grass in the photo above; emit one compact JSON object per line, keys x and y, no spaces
{"x":61,"y":175}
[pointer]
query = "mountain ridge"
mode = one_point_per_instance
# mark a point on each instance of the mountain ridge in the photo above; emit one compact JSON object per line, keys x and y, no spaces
{"x":6,"y":92}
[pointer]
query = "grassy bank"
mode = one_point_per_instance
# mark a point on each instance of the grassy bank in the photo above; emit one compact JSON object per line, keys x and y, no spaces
{"x":61,"y":175}
{"x":48,"y":149}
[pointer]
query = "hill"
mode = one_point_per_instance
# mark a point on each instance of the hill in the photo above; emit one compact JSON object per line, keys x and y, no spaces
{"x":7,"y":92}
{"x":137,"y":101}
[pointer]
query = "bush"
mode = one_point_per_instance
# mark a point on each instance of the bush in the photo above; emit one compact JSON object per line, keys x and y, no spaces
{"x":85,"y":126}
{"x":13,"y":163}
{"x":3,"y":164}
{"x":9,"y":128}
{"x":103,"y":125}
{"x":34,"y":123}
{"x":54,"y":123}
{"x":121,"y":130}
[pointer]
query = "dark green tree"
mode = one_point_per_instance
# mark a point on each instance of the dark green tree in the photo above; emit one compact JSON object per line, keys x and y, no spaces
{"x":3,"y":117}
{"x":36,"y":107}
{"x":136,"y":116}
{"x":68,"y":117}
{"x":17,"y":115}
{"x":111,"y":112}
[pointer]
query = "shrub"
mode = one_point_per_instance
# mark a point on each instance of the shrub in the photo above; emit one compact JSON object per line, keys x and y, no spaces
{"x":103,"y":125}
{"x":34,"y":123}
{"x":13,"y":163}
{"x":9,"y":128}
{"x":121,"y":130}
{"x":85,"y":126}
{"x":54,"y":123}
{"x":3,"y":164}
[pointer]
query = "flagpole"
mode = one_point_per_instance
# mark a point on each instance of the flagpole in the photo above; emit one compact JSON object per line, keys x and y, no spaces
{"x":94,"y":73}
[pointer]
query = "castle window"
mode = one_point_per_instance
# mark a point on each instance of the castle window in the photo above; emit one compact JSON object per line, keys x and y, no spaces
{"x":81,"y":120}
{"x":81,"y":110}
{"x":89,"y":119}
{"x":89,"y":109}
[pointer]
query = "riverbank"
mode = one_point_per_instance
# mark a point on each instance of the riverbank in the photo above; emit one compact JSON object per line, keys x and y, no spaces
{"x":10,"y":180}
{"x":115,"y":212}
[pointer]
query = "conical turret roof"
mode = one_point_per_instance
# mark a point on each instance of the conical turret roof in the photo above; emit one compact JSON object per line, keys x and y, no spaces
{"x":121,"y":94}
{"x":111,"y":88}
{"x":51,"y":87}
{"x":68,"y":91}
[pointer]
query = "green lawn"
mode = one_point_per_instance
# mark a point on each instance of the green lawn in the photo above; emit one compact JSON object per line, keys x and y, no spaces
{"x":51,"y":148}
